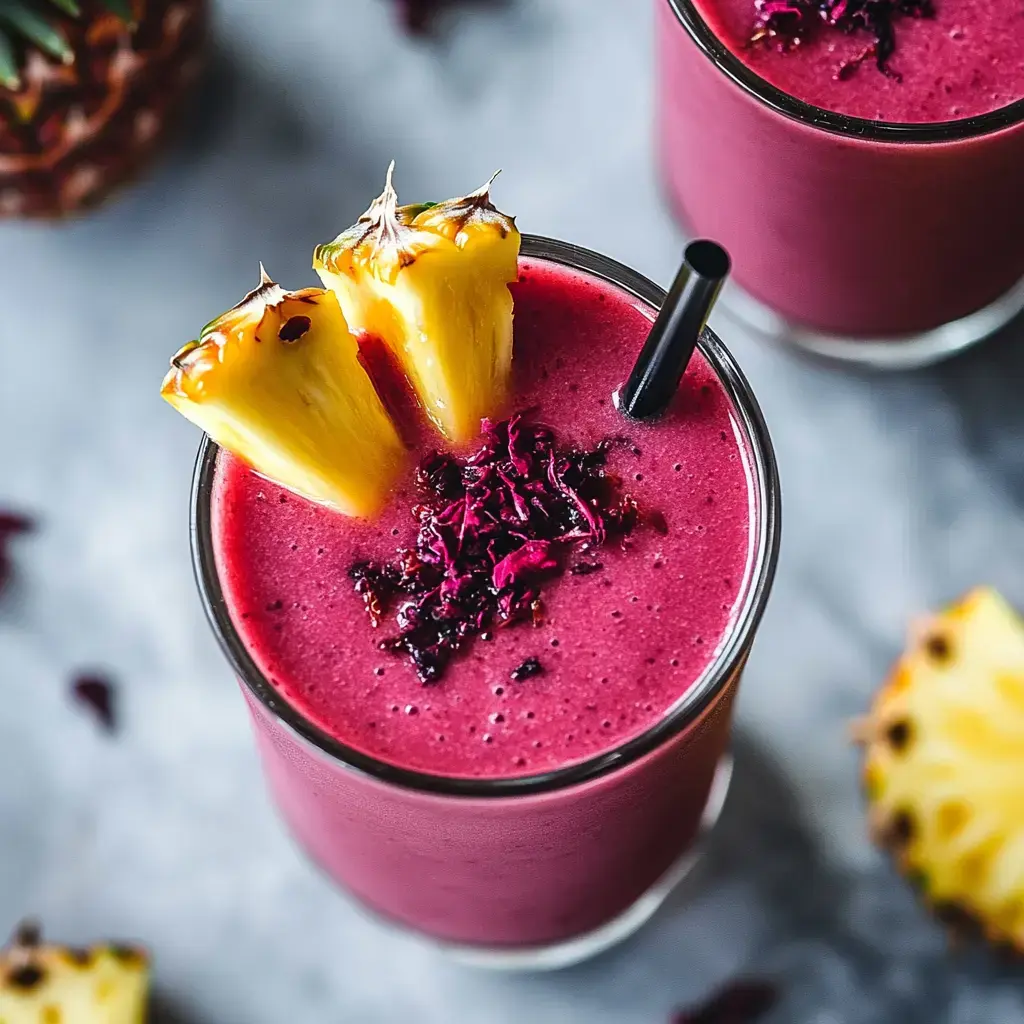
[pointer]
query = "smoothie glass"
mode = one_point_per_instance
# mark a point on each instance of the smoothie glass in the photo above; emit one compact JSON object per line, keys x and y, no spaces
{"x":535,"y":871}
{"x":887,"y":244}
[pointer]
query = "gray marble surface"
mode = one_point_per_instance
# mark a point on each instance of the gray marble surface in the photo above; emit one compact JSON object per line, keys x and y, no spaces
{"x":899,"y":492}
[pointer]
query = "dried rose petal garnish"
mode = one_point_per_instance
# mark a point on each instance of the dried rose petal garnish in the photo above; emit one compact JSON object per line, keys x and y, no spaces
{"x":11,"y":525}
{"x":417,"y":15}
{"x":97,"y":693}
{"x":791,"y":22}
{"x":743,"y":1002}
{"x":494,"y":528}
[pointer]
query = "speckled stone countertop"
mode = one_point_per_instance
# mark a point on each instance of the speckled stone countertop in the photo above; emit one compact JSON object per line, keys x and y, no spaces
{"x":900,"y":492}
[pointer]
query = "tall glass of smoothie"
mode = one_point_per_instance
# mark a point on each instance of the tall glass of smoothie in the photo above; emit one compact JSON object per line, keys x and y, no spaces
{"x":866,"y":179}
{"x":524,"y":786}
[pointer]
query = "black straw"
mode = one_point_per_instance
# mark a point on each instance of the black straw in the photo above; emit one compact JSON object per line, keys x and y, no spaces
{"x":673,"y":338}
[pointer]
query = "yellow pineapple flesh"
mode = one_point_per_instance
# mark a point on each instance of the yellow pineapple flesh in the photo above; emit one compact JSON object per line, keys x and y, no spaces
{"x":48,"y":984}
{"x":277,"y":380}
{"x":432,"y":283}
{"x":944,"y":763}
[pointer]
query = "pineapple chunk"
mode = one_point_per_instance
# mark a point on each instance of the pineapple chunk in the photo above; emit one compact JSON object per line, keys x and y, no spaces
{"x":46,"y":984}
{"x":277,"y":380}
{"x":432,"y":282}
{"x":944,"y":763}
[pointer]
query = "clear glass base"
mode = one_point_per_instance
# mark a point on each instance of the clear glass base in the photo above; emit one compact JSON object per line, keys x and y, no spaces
{"x":902,"y":352}
{"x":583,"y":947}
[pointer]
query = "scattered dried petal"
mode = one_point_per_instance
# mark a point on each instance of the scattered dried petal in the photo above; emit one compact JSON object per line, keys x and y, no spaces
{"x":743,"y":1002}
{"x":11,"y":525}
{"x":98,"y":695}
{"x":417,"y":15}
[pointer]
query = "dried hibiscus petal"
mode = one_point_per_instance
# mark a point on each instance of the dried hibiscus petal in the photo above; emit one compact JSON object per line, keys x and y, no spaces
{"x":791,"y":22}
{"x":97,"y":693}
{"x":492,"y":529}
{"x":743,"y":1002}
{"x":417,"y":15}
{"x":11,"y":524}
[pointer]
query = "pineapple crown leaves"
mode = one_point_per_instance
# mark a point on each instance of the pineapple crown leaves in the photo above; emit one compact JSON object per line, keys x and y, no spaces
{"x":266,"y":295}
{"x":387,"y":228}
{"x":37,"y":23}
{"x":383,"y":213}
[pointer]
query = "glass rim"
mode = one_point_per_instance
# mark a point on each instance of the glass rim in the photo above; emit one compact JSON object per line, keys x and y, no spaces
{"x":680,"y":716}
{"x":846,"y":125}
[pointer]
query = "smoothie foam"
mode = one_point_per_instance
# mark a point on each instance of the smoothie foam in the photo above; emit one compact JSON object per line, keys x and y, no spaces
{"x":967,"y":60}
{"x":618,"y":647}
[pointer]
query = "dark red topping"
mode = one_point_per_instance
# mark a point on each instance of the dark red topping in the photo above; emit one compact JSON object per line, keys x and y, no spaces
{"x":742,"y":1002}
{"x":97,"y":694}
{"x":529,"y":668}
{"x":10,"y":526}
{"x":791,"y":22}
{"x":418,"y":15}
{"x":493,"y":529}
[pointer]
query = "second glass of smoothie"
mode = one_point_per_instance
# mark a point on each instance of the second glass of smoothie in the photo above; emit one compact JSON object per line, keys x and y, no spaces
{"x":538,"y":803}
{"x":873,"y":215}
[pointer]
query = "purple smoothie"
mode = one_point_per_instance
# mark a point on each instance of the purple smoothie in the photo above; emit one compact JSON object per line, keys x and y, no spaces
{"x":618,"y":647}
{"x":476,"y":848}
{"x":857,"y":231}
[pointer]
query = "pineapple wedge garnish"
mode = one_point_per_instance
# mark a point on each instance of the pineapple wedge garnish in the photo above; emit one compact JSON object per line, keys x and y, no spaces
{"x":278,"y":381}
{"x":432,"y":283}
{"x":944,"y":764}
{"x":47,"y":984}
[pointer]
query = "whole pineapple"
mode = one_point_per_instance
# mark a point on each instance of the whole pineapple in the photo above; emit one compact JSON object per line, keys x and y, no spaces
{"x":944,"y":764}
{"x":88,"y":90}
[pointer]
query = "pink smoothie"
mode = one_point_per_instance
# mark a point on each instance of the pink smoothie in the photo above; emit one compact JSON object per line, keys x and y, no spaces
{"x":843,"y":228}
{"x":618,"y":647}
{"x":473,"y":848}
{"x":967,"y":60}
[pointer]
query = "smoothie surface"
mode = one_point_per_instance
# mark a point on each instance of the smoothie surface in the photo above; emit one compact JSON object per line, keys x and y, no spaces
{"x":618,"y":647}
{"x":968,"y":60}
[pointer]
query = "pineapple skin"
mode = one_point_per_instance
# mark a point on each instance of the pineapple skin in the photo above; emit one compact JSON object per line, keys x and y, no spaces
{"x":944,"y":765}
{"x":56,"y":985}
{"x":432,"y":283}
{"x":71,"y":135}
{"x":277,"y":380}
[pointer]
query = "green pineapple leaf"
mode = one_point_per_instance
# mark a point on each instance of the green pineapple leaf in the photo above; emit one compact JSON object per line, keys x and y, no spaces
{"x":122,"y":9}
{"x":9,"y":77}
{"x":36,"y":29}
{"x":22,"y":21}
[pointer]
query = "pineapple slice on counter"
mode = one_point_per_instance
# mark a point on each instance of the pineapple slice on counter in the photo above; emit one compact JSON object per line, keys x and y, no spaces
{"x":278,"y":381}
{"x":944,"y":764}
{"x":47,"y":984}
{"x":432,"y":282}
